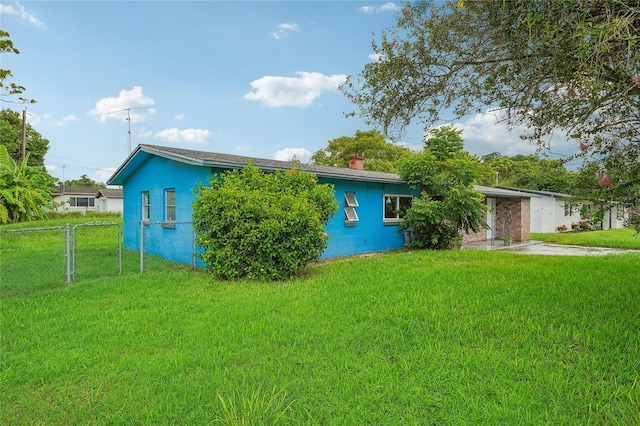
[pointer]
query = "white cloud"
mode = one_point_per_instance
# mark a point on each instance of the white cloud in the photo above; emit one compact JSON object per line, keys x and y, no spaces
{"x":50,"y":168}
{"x":370,"y":10}
{"x":131,"y":103}
{"x":284,"y":30}
{"x":410,"y":146}
{"x":388,"y":6}
{"x":184,"y":136}
{"x":64,"y":120}
{"x":19,"y":10}
{"x":298,"y":91}
{"x":144,"y":133}
{"x":104,"y":174}
{"x":300,"y":154}
{"x":179,"y":116}
{"x":34,"y":119}
{"x":484,"y":133}
{"x":376,"y":57}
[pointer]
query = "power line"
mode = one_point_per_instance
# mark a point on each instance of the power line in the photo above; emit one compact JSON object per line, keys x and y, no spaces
{"x":75,"y":167}
{"x":64,"y":161}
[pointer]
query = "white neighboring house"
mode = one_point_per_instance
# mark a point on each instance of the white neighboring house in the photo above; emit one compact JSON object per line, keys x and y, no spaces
{"x":109,"y":200}
{"x":85,"y":200}
{"x":550,"y":210}
{"x":616,"y":216}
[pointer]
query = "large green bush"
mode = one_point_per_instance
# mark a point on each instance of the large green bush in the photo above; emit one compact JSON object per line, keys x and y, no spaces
{"x":257,"y":225}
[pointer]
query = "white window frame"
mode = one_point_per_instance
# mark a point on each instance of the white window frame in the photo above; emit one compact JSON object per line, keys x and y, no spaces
{"x":569,"y":208}
{"x":350,"y":199}
{"x":396,"y":197}
{"x":167,"y":206}
{"x":350,"y":214}
{"x":73,"y":202}
{"x":350,"y":204}
{"x":146,"y":206}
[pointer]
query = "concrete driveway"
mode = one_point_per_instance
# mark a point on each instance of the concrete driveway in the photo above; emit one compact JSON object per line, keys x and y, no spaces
{"x":539,"y":247}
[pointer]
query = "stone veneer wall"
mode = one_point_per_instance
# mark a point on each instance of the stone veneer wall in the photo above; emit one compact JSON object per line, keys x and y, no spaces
{"x":471,"y":237}
{"x":513,"y":216}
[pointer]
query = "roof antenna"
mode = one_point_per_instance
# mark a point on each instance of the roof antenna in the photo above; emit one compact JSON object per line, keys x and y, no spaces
{"x":128,"y":118}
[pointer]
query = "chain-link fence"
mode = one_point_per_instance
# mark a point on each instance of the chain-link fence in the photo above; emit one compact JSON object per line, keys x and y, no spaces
{"x":162,"y":243}
{"x":96,"y":250}
{"x":48,"y":257}
{"x":34,"y":258}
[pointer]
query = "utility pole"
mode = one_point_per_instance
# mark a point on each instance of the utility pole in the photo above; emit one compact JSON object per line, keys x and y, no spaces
{"x":63,"y":195}
{"x":23,"y":152}
{"x":129,"y":128}
{"x":128,"y":118}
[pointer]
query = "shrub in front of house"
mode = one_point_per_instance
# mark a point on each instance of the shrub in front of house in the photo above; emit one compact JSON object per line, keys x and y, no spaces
{"x":262,"y":226}
{"x":448,"y":204}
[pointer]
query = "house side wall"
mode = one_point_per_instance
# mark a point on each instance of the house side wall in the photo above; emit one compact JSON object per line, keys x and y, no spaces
{"x":513,"y":217}
{"x":548,"y":213}
{"x":65,"y":207}
{"x":156,"y":175}
{"x":481,"y":235}
{"x":370,"y":233}
{"x":615,"y":217}
{"x":473,"y":237}
{"x":543,"y":215}
{"x":113,"y":205}
{"x":525,"y":220}
{"x":561,"y":218}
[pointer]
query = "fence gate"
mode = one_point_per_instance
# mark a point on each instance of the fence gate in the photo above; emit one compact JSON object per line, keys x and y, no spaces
{"x":34,"y":258}
{"x":96,"y":250}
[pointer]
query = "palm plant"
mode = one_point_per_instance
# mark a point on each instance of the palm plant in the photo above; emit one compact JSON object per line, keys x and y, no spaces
{"x":25,"y":191}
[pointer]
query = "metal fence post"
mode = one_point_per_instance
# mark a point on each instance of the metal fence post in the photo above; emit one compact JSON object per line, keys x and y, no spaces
{"x":194,"y":255}
{"x":119,"y":250}
{"x":67,"y":253}
{"x":141,"y":247}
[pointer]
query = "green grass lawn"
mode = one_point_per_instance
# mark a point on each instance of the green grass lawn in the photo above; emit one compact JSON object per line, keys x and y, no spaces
{"x":615,"y":238}
{"x":421,"y":337}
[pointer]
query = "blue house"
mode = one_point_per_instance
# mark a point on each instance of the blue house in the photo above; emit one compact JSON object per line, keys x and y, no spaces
{"x":158,"y":189}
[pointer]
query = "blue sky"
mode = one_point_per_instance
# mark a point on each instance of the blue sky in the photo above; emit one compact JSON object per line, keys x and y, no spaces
{"x":248,"y":78}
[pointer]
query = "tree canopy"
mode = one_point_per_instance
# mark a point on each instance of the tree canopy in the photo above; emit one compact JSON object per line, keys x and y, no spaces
{"x":379,"y":154}
{"x":84,"y":182}
{"x":550,"y":66}
{"x":448,"y":204}
{"x":11,"y":137}
{"x":527,"y":171}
